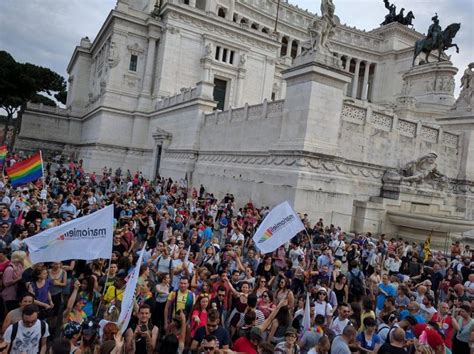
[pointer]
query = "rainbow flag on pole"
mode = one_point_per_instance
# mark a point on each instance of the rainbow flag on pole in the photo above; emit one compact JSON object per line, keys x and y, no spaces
{"x":3,"y":155}
{"x":26,"y":171}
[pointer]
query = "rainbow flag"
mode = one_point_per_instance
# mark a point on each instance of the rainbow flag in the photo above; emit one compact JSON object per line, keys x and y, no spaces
{"x":26,"y":171}
{"x":3,"y":155}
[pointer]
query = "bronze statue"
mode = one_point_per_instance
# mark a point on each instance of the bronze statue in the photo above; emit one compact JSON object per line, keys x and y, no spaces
{"x":392,"y":15}
{"x":437,"y":39}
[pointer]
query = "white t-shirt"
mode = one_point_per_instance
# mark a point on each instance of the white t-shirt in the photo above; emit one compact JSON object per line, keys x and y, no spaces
{"x":27,"y":340}
{"x":338,"y":247}
{"x":323,"y":308}
{"x":338,"y":325}
{"x":426,"y":312}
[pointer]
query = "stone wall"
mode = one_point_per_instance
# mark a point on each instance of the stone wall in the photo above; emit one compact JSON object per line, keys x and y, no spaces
{"x":373,"y":135}
{"x":248,"y":128}
{"x":52,"y":129}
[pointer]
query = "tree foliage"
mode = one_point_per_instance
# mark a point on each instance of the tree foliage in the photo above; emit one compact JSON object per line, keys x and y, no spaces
{"x":21,"y":83}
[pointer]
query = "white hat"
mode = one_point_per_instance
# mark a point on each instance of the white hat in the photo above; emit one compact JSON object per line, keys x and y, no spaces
{"x":322,"y":289}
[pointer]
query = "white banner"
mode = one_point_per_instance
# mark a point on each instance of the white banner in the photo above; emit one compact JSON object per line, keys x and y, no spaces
{"x":278,"y":227}
{"x":89,"y":237}
{"x":306,"y":323}
{"x":128,"y":300}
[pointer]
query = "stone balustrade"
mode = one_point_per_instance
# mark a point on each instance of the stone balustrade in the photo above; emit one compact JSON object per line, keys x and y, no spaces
{"x":45,"y":108}
{"x":373,"y":116}
{"x":247,"y":112}
{"x":186,"y":94}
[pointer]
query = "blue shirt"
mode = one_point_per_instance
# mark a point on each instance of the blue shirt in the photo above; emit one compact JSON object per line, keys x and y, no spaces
{"x":389,"y":289}
{"x":369,"y":345}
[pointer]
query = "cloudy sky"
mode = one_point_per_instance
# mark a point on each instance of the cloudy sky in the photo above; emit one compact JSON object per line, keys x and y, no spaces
{"x":45,"y":32}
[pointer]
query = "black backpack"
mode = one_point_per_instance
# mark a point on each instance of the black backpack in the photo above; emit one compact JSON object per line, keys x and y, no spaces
{"x":15,"y":332}
{"x":356,"y":286}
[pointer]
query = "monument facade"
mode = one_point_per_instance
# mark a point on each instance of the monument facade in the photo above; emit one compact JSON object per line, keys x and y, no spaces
{"x":341,"y":122}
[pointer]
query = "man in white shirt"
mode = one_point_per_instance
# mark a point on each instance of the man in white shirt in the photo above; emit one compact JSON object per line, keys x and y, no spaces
{"x":29,"y":335}
{"x":338,"y":246}
{"x":342,"y":320}
{"x":427,"y":309}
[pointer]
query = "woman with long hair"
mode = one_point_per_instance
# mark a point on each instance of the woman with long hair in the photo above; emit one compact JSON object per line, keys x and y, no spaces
{"x":199,"y":313}
{"x":466,"y":324}
{"x":279,"y":326}
{"x":58,"y":277}
{"x":40,"y":286}
{"x":265,"y":303}
{"x":261,"y":287}
{"x":367,"y":311}
{"x":88,"y":295}
{"x":368,"y":341}
{"x":12,"y":275}
{"x":162,"y":290}
{"x":267,"y":269}
{"x":341,"y":288}
{"x":283,"y":292}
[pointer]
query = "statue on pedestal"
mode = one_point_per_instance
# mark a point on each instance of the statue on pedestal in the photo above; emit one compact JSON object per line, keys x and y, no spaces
{"x":322,"y":30}
{"x":466,"y":80}
{"x":437,"y":39}
{"x":327,"y":14}
{"x":392,"y":15}
{"x":465,"y":100}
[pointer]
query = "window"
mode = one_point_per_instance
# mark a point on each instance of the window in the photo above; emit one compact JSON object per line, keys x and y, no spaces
{"x":133,"y":63}
{"x":231,"y":59}
{"x":218,"y":52}
{"x":224,"y":55}
{"x":221,"y":12}
{"x":220,"y":90}
{"x":254,"y":26}
{"x":284,"y":46}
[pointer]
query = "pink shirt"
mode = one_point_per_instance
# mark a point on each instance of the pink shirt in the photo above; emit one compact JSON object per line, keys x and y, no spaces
{"x":9,"y":275}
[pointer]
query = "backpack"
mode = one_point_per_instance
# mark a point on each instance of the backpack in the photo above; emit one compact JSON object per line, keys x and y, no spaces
{"x":356,"y":286}
{"x":15,"y":332}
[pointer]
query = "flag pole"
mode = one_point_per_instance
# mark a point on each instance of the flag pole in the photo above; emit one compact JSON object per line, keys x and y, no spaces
{"x":42,"y":170}
{"x":276,"y":18}
{"x":105,"y":287}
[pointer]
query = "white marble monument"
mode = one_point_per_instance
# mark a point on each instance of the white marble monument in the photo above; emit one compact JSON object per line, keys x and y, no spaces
{"x":315,"y":113}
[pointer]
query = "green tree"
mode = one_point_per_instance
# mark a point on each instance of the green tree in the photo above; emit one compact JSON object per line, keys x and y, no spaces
{"x":21,"y":83}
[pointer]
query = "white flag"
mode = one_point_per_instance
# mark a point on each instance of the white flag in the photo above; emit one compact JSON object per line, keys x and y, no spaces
{"x":128,"y":300}
{"x":278,"y":227}
{"x":306,"y":323}
{"x":89,"y":237}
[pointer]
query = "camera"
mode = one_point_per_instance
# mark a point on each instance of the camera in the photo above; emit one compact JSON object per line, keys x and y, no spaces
{"x":143,"y":328}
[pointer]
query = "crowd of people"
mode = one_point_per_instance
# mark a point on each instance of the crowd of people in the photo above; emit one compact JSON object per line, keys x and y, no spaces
{"x":204,"y":287}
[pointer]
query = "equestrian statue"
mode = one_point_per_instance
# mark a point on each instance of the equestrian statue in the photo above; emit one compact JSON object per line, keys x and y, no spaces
{"x":437,"y":39}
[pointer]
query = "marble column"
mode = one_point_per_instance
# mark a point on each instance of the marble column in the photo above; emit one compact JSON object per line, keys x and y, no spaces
{"x":348,"y":64}
{"x":366,"y":81}
{"x":288,"y":47}
{"x":150,"y":60}
{"x":373,"y":82}
{"x":192,"y":3}
{"x":221,"y":53}
{"x":298,"y":50}
{"x":355,"y":80}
